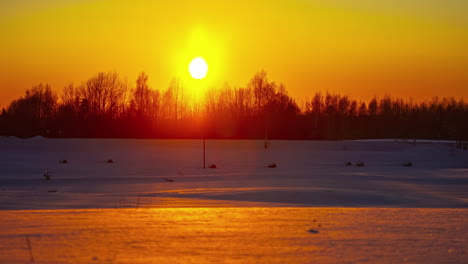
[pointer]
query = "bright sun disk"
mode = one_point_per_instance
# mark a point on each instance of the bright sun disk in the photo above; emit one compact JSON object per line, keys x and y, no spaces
{"x":198,"y":68}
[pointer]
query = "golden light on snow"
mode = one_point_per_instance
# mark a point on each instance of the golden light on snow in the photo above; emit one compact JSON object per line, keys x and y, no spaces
{"x":198,"y":68}
{"x":219,"y":235}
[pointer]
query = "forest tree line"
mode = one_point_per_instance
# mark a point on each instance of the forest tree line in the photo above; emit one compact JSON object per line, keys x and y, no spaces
{"x":106,"y":106}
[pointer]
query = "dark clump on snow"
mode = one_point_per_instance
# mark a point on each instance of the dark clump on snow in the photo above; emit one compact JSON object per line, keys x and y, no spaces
{"x":360,"y":164}
{"x":316,"y":230}
{"x":348,"y":163}
{"x":212,"y":166}
{"x":168,"y":179}
{"x":63,"y":161}
{"x":272,"y":165}
{"x":110,"y":161}
{"x":52,"y":191}
{"x":409,"y":164}
{"x":46,"y":175}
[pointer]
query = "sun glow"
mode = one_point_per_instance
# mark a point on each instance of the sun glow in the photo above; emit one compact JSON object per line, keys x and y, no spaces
{"x":198,"y":68}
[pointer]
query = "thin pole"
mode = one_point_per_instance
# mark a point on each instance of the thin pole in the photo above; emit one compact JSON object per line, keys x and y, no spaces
{"x":28,"y":242}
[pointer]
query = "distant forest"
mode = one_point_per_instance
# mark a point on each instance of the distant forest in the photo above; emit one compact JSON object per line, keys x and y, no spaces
{"x":107,"y":107}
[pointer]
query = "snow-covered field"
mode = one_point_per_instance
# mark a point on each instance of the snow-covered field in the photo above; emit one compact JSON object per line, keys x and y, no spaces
{"x":240,"y":212}
{"x":308,"y":173}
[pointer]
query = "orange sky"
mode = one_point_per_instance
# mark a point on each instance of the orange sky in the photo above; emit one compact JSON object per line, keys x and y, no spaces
{"x":361,"y":48}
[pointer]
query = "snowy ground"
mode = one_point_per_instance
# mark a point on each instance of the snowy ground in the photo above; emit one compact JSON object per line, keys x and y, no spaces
{"x":308,"y":174}
{"x":125,"y":212}
{"x":235,"y":235}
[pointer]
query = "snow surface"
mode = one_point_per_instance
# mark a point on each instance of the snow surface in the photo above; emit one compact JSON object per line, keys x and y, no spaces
{"x":93,"y":211}
{"x":235,"y":235}
{"x":309,"y":173}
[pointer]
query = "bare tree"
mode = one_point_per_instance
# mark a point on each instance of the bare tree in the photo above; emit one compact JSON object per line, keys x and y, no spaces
{"x":104,"y":93}
{"x":262,"y":89}
{"x":142,"y":95}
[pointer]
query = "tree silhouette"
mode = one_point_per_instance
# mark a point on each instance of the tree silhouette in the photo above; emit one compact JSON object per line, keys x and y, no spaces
{"x":103,"y":106}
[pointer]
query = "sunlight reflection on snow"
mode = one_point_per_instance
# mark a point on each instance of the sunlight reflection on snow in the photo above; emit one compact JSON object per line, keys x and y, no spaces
{"x":235,"y":235}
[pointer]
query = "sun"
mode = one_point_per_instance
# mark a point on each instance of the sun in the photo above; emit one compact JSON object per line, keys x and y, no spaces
{"x":198,"y":68}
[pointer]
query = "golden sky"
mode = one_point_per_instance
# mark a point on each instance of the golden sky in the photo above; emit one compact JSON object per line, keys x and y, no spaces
{"x":362,"y":48}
